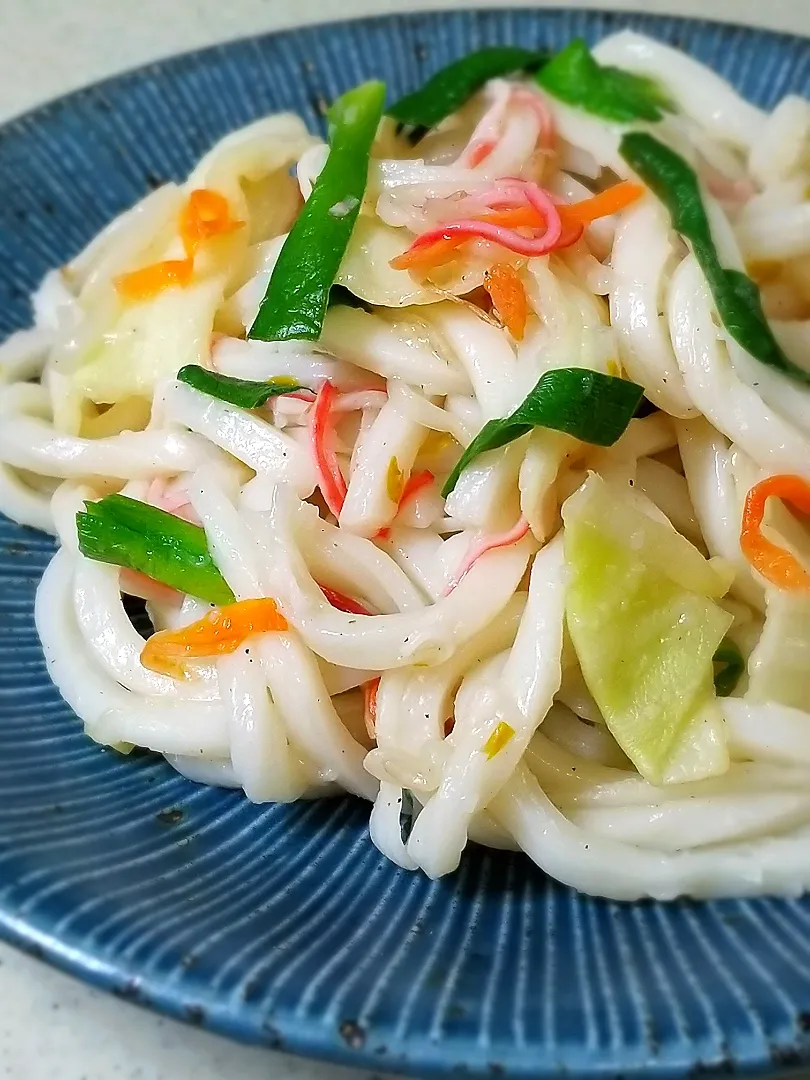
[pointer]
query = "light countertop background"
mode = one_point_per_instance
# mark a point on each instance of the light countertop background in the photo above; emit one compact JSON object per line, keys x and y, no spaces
{"x":52,"y":1028}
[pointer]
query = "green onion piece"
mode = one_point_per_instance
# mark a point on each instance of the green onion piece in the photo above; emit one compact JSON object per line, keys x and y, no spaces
{"x":242,"y":392}
{"x":451,"y":86}
{"x":576,"y":78}
{"x":593,"y":407}
{"x":735,"y":295}
{"x":298,"y":293}
{"x":132,"y":534}
{"x":733,"y":665}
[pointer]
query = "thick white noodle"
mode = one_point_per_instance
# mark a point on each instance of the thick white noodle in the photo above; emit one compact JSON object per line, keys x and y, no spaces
{"x":520,"y":696}
{"x":299,"y":360}
{"x":642,"y":258}
{"x":262,"y":760}
{"x":258,"y":444}
{"x":781,"y":150}
{"x":709,"y":471}
{"x":29,"y":443}
{"x":385,"y":348}
{"x":115,"y":643}
{"x":701,"y":94}
{"x":728,"y":403}
{"x":390,"y":443}
{"x":485,"y":354}
{"x":383,"y":641}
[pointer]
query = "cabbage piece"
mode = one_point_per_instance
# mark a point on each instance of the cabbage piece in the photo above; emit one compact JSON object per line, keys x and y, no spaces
{"x":135,"y":344}
{"x":645,"y":630}
{"x":249,"y":156}
{"x":779,"y":666}
{"x":366,"y":270}
{"x":151,"y":340}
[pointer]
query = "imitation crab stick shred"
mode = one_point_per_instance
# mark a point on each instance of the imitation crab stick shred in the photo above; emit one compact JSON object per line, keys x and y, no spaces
{"x":480,"y":151}
{"x":483,"y":545}
{"x":370,"y":706}
{"x":414,"y":484}
{"x":440,"y":245}
{"x":503,"y":284}
{"x":205,"y":215}
{"x":342,"y":602}
{"x":778,"y":566}
{"x":221,"y":631}
{"x":330,"y":478}
{"x":476,"y":228}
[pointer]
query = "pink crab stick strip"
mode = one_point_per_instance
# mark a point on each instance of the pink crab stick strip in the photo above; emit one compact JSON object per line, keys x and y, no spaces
{"x":485,"y":544}
{"x":529,"y":246}
{"x":330,"y":478}
{"x":541,"y":111}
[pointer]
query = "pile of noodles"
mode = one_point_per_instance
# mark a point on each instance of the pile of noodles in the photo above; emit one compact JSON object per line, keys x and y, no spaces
{"x":90,"y":405}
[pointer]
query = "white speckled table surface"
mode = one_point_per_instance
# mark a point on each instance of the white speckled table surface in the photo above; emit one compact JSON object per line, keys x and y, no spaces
{"x":52,"y":1028}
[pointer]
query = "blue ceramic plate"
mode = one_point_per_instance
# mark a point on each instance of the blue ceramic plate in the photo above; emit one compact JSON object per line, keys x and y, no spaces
{"x":283,"y":925}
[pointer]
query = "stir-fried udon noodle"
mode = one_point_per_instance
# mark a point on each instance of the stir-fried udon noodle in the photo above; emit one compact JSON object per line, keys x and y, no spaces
{"x":587,"y":637}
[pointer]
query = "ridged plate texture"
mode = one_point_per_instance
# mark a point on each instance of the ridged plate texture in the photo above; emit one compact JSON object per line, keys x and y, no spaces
{"x":284,"y":925}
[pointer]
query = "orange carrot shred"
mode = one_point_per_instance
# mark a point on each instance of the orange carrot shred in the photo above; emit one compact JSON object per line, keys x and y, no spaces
{"x":611,"y":201}
{"x":503,"y":284}
{"x":220,"y":631}
{"x":205,"y":215}
{"x":150,"y":280}
{"x":775,"y":564}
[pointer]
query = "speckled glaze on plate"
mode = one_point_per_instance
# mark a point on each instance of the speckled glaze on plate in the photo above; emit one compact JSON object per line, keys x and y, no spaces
{"x":283,"y":925}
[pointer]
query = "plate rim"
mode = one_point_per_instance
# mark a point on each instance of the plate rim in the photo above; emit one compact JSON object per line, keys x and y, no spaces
{"x":289,"y":1034}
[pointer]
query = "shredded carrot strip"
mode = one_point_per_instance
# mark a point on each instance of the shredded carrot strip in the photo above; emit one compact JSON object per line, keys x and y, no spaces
{"x":503,"y":284}
{"x":483,"y":545}
{"x":342,"y":602}
{"x":150,"y":280}
{"x":330,"y":478}
{"x":220,"y":631}
{"x":607,"y":202}
{"x":205,"y":215}
{"x":776,"y":565}
{"x":370,"y":706}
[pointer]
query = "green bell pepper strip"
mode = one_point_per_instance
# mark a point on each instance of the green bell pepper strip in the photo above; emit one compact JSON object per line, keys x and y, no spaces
{"x":131,"y":534}
{"x":575,"y":77}
{"x":245,"y":393}
{"x":298,"y":293}
{"x":735,"y":295}
{"x":593,"y":407}
{"x":733,"y":665}
{"x":446,"y":91}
